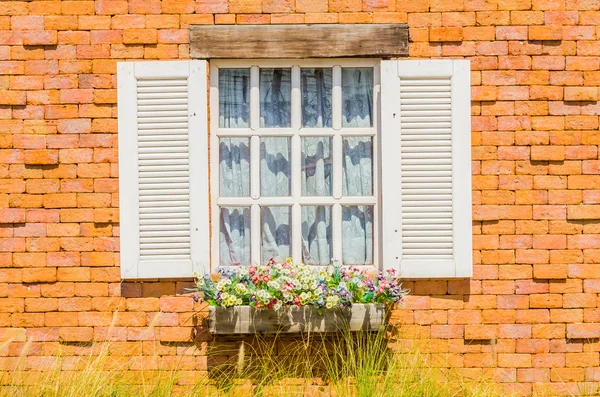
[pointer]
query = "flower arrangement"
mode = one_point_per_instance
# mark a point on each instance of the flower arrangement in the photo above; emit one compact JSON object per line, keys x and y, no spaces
{"x":271,"y":286}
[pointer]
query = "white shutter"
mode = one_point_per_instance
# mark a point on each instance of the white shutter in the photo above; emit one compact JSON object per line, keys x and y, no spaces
{"x":426,"y":167}
{"x":163,"y":169}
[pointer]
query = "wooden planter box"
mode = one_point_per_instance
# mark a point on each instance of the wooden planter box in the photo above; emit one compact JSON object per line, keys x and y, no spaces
{"x":290,"y":319}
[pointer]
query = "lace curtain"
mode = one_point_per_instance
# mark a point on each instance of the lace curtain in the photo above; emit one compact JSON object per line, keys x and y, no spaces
{"x":316,"y":172}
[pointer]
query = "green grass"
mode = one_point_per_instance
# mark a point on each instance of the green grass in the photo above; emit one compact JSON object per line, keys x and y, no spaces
{"x":341,"y":365}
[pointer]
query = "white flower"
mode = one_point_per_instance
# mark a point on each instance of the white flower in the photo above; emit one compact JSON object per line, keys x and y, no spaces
{"x":263,"y":295}
{"x":224,"y":282}
{"x":241,"y":288}
{"x":274,"y":284}
{"x":332,"y":301}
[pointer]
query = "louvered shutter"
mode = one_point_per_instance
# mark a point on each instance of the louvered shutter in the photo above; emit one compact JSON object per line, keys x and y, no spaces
{"x":163,"y":169}
{"x":426,"y":167}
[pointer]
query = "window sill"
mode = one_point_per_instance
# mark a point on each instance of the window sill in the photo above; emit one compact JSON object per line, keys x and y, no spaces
{"x":293,"y":319}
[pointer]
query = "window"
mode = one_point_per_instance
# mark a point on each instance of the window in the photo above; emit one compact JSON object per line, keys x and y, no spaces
{"x":296,"y":166}
{"x":310,"y":159}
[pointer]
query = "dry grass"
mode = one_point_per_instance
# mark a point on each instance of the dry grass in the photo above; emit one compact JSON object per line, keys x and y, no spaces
{"x":342,"y":365}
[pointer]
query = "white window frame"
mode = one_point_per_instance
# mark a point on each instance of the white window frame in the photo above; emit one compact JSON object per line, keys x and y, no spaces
{"x":296,"y":131}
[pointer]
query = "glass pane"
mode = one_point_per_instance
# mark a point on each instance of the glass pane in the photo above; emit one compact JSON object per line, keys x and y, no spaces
{"x":276,"y":234}
{"x":234,"y":98}
{"x":316,"y":97}
{"x":357,"y":97}
{"x":357,"y":235}
{"x":234,"y":167}
{"x":275,"y":95}
{"x":275,"y":167}
{"x":234,"y":236}
{"x":357,"y":172}
{"x":316,"y":235}
{"x":316,"y":166}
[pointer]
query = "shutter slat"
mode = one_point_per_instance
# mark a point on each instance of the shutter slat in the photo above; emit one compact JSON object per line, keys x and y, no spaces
{"x":157,"y":82}
{"x":174,"y":127}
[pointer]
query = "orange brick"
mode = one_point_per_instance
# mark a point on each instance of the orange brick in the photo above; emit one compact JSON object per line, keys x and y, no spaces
{"x":446,"y":34}
{"x":41,"y":157}
{"x":581,"y":94}
{"x":545,"y":32}
{"x":175,"y":334}
{"x":581,"y":359}
{"x":140,"y":36}
{"x":76,"y":334}
{"x":212,"y":7}
{"x":554,"y":153}
{"x":244,"y":6}
{"x":37,"y":275}
{"x":580,"y":331}
{"x":40,"y":37}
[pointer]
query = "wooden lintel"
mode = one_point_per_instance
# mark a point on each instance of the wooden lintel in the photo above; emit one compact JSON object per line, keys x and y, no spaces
{"x":298,"y":41}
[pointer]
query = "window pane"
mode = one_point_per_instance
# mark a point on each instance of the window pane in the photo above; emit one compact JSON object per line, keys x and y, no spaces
{"x":276,"y":237}
{"x":234,"y":236}
{"x":234,"y":98}
{"x":316,"y":166}
{"x":234,"y":167}
{"x":357,"y":235}
{"x":316,"y":97}
{"x":357,"y":172}
{"x":275,"y":168}
{"x":316,"y":235}
{"x":357,"y":97}
{"x":275,"y":94}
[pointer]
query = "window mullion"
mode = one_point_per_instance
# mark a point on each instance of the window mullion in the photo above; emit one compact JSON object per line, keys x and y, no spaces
{"x":296,"y":99}
{"x":336,"y":222}
{"x":337,"y":166}
{"x":254,"y":98}
{"x":255,"y":235}
{"x":255,"y":232}
{"x":336,"y":213}
{"x":296,"y":220}
{"x":336,"y":100}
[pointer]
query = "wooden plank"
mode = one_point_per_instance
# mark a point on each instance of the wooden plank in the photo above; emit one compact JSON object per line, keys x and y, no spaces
{"x":292,"y":319}
{"x":298,"y":41}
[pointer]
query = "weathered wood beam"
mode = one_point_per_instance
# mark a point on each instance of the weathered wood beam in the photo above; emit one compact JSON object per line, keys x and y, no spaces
{"x":298,"y":41}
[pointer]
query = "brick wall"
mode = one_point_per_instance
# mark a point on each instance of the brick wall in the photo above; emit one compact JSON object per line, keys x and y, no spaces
{"x":529,"y":315}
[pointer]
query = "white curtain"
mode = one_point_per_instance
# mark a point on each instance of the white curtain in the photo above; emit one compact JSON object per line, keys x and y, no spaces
{"x":357,"y":221}
{"x":316,"y":181}
{"x":316,"y":235}
{"x":316,"y":173}
{"x":276,"y":235}
{"x":234,"y":167}
{"x":357,"y":97}
{"x":234,"y":181}
{"x":275,"y":180}
{"x":234,"y":98}
{"x":316,"y":97}
{"x":234,"y":236}
{"x":275,"y":97}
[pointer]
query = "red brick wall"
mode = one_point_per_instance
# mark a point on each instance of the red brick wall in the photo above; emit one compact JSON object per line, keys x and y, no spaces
{"x":530,"y":313}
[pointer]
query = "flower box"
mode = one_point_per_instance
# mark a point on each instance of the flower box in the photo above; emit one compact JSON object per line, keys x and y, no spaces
{"x":295,"y":319}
